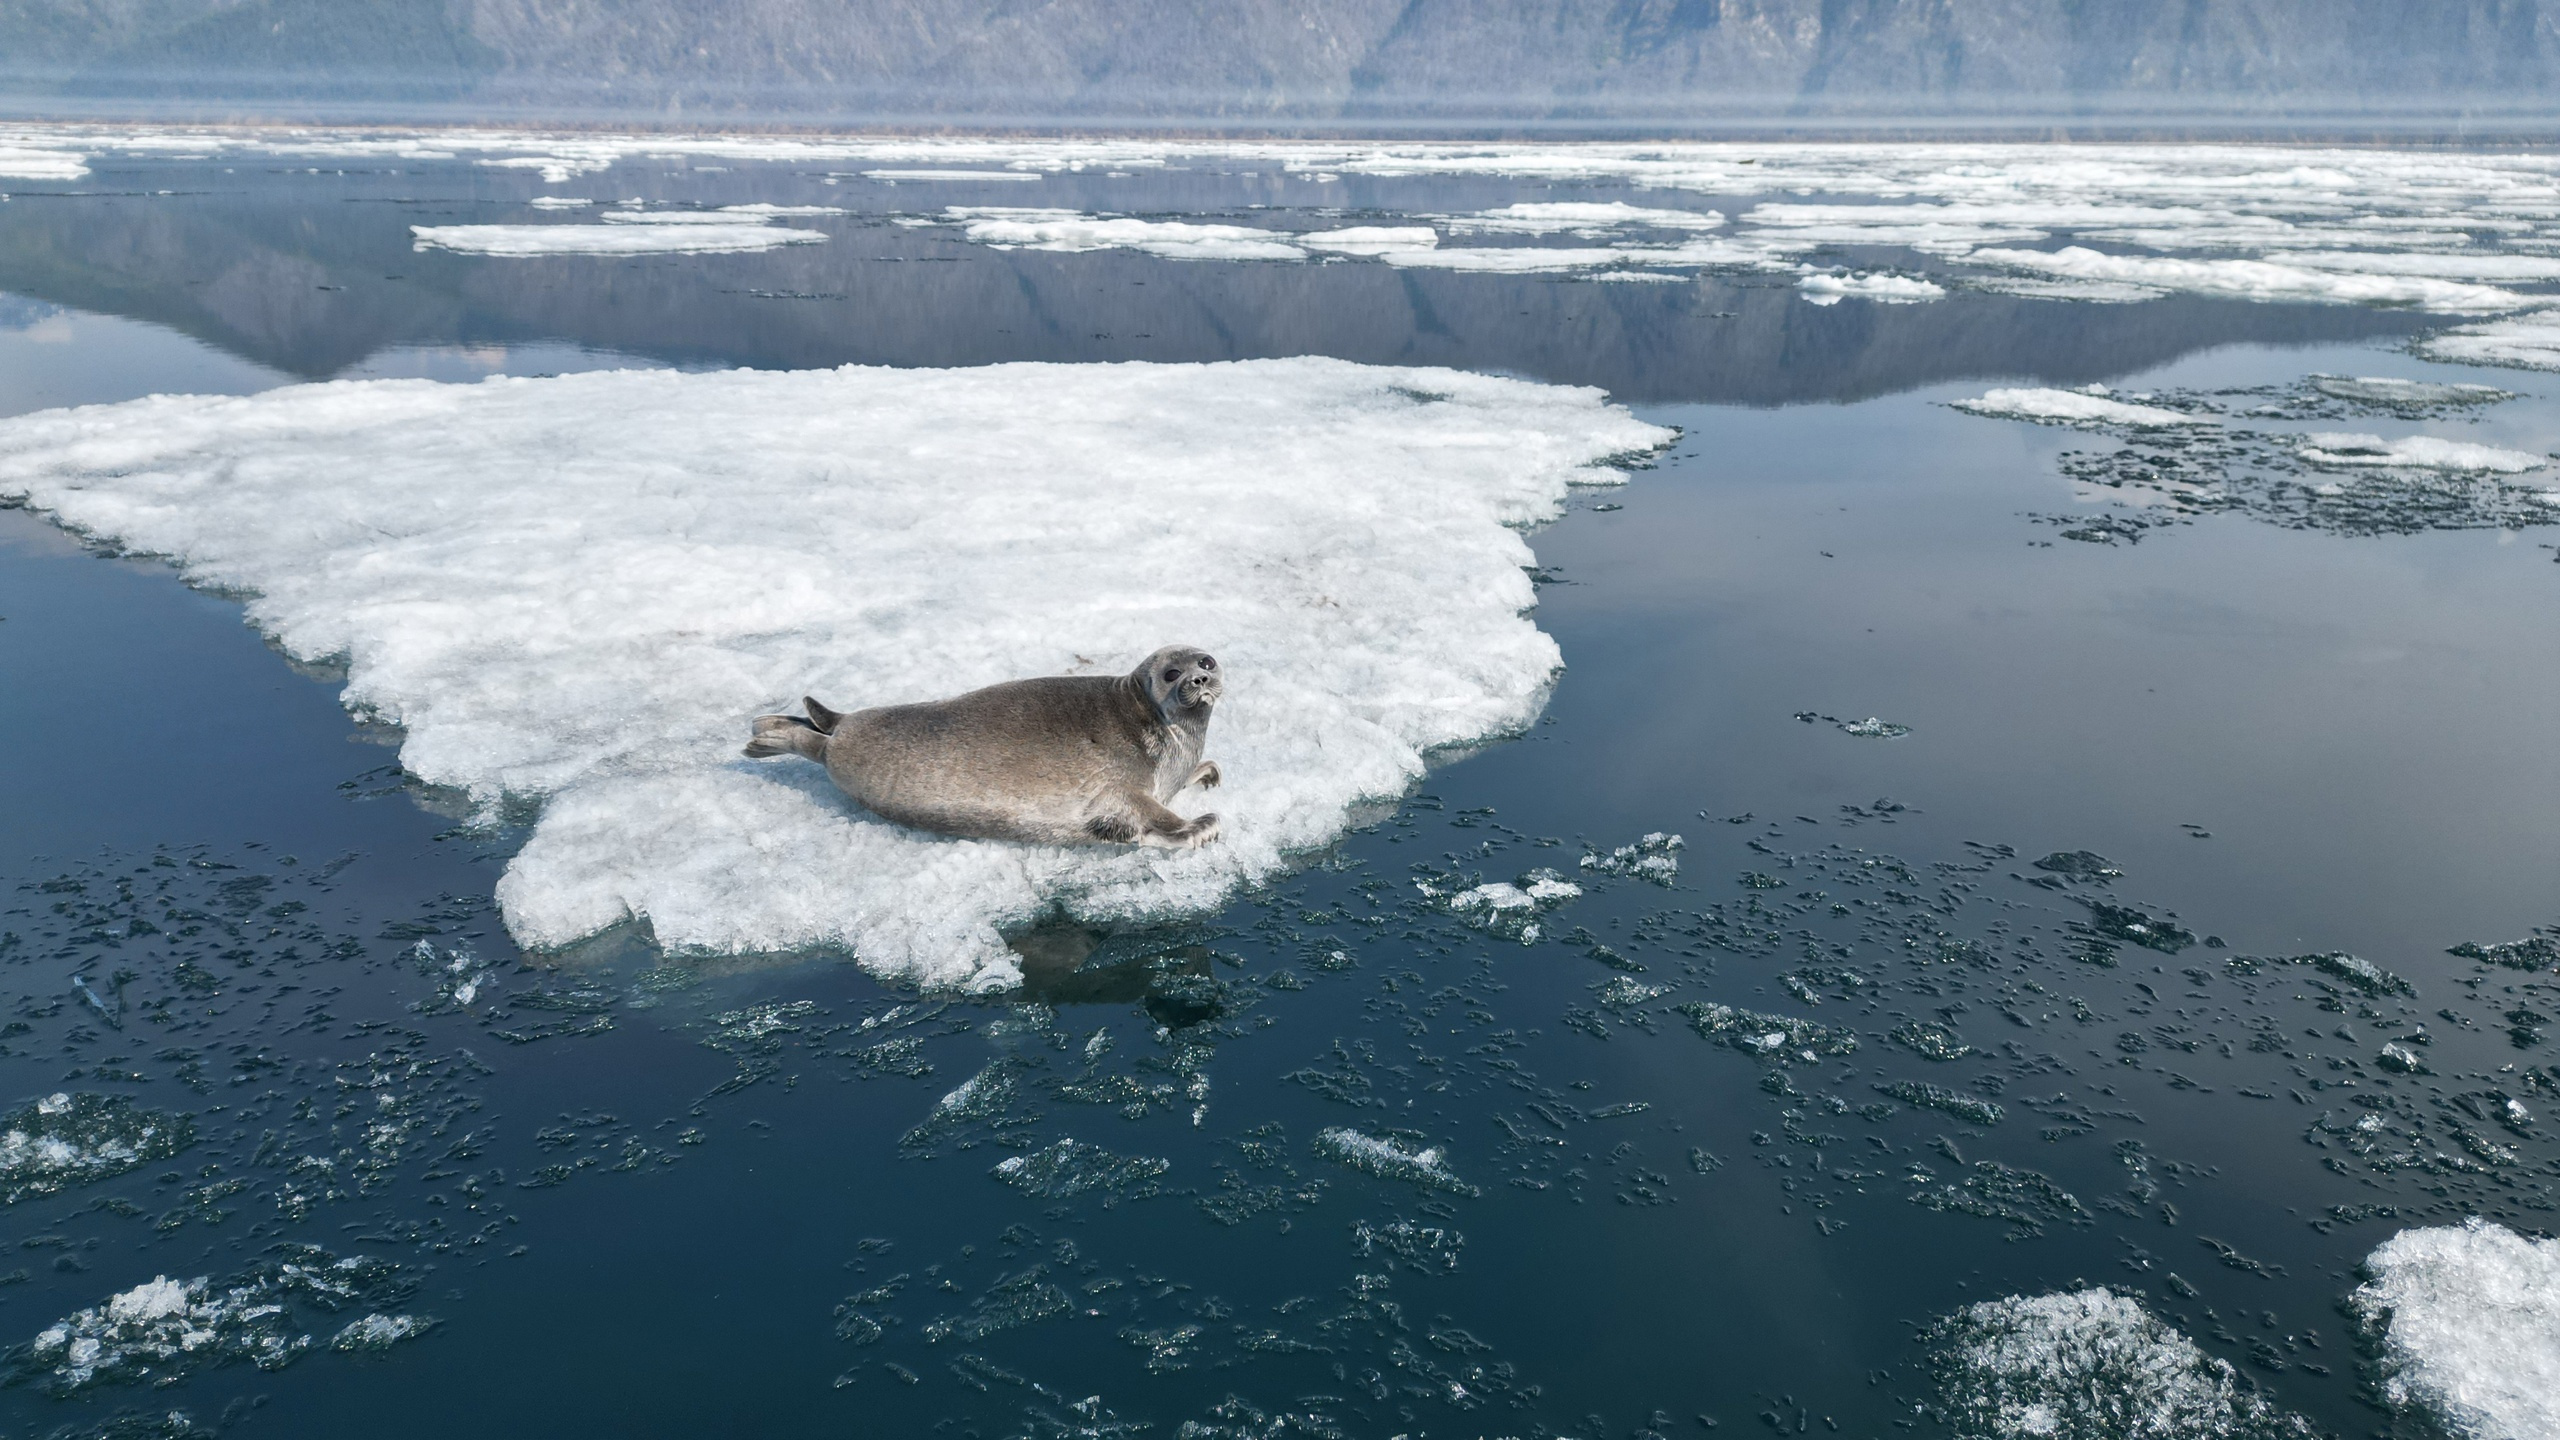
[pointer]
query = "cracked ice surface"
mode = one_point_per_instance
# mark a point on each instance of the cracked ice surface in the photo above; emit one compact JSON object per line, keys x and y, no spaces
{"x":575,"y":591}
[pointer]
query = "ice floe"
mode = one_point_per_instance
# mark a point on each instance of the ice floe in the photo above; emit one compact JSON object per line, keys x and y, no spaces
{"x":2396,"y":394}
{"x":1031,"y":229}
{"x":2468,"y":1321}
{"x":2261,"y":280}
{"x":574,"y":592}
{"x":19,"y":162}
{"x":2073,"y":407}
{"x":2527,"y":342}
{"x":2442,"y":232}
{"x":1860,"y":285}
{"x":2092,"y":1365}
{"x":950,"y":175}
{"x":2416,"y":452}
{"x":1590,"y":219}
{"x":739,"y":228}
{"x":1371,"y":239}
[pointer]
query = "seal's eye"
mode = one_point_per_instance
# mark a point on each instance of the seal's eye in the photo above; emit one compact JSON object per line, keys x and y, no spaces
{"x":1208,"y":664}
{"x":1172,"y":675}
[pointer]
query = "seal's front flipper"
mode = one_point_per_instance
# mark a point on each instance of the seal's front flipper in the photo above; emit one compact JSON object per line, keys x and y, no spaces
{"x":786,"y":735}
{"x":1164,"y":829}
{"x":1206,"y":777}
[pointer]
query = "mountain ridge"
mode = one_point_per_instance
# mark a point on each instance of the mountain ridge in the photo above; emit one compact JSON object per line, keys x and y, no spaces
{"x":1272,"y":59}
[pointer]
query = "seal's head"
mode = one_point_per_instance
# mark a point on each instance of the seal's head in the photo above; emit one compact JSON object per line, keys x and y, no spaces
{"x":1181,"y":682}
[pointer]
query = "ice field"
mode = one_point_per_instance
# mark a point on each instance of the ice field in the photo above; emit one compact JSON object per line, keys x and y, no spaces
{"x":1872,"y":790}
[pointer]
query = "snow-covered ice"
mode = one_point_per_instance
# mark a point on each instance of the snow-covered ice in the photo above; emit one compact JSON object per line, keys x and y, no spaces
{"x":2074,"y":407}
{"x":576,"y":591}
{"x":2416,"y":452}
{"x":2468,"y":1318}
{"x":2092,"y":1365}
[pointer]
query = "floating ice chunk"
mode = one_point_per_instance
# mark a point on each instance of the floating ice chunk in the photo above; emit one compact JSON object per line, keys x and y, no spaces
{"x":66,"y":1139}
{"x":2256,"y":280}
{"x":1509,"y":260}
{"x":697,"y":233}
{"x":161,"y":1329}
{"x":1506,"y":908}
{"x":2525,"y":343}
{"x":1937,"y":1097}
{"x":953,"y":175}
{"x":2413,"y":394}
{"x":1591,"y":219}
{"x":575,"y":591}
{"x":2416,"y":452}
{"x":2073,"y":407}
{"x":2506,"y":266}
{"x":1371,"y":239}
{"x":1072,"y":1167}
{"x":2092,"y":1365}
{"x":373,"y":1334}
{"x":768,"y":211}
{"x":1778,"y":1037}
{"x":1862,"y":285}
{"x":557,"y":169}
{"x":558,"y":202}
{"x":1068,"y":230}
{"x":25,"y":162}
{"x":1391,"y":1160}
{"x":1651,"y":858}
{"x":2468,"y":1318}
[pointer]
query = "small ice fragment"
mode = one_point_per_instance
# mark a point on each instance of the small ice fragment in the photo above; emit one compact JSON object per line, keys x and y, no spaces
{"x":1860,"y":285}
{"x":2073,"y":407}
{"x":2416,"y":452}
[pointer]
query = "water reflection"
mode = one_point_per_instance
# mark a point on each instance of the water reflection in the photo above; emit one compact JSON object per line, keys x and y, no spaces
{"x":318,"y":278}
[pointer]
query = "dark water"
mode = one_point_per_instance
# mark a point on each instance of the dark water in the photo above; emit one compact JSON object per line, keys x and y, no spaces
{"x":652,"y":1197}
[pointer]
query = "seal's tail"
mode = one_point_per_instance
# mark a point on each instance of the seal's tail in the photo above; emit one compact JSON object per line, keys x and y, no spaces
{"x":786,"y":735}
{"x":791,"y":735}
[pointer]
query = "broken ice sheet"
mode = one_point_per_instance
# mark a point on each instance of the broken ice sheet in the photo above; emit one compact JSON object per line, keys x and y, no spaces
{"x":574,"y":592}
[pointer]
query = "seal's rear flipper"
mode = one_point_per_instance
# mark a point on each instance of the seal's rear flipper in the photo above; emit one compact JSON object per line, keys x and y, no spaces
{"x":786,"y":735}
{"x":821,"y":719}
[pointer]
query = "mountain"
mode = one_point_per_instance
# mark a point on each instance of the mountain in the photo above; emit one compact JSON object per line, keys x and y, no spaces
{"x":1278,"y":60}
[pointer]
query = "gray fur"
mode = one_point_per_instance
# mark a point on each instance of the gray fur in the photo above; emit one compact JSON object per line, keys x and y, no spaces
{"x":1062,"y":760}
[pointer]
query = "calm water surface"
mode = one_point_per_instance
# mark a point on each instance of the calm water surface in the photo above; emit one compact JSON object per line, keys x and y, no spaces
{"x":643,"y":1196}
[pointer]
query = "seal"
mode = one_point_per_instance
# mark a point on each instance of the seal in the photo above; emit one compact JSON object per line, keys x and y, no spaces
{"x":1061,"y":760}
